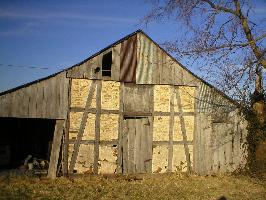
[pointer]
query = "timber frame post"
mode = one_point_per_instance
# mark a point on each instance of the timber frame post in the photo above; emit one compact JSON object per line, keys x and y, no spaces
{"x":54,"y":156}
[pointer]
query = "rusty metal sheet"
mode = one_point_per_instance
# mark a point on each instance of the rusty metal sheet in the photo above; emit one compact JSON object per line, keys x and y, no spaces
{"x":128,"y":60}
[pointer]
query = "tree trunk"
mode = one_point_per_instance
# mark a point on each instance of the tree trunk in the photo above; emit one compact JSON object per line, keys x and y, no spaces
{"x":259,"y":110}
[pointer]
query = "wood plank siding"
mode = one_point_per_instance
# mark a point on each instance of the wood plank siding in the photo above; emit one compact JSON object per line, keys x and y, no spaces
{"x":44,"y":99}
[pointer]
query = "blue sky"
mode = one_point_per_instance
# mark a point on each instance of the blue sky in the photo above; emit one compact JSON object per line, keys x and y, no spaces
{"x":55,"y":34}
{"x":58,"y":34}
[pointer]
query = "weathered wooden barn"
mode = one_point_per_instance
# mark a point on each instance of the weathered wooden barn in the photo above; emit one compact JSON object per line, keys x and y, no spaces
{"x":130,"y":108}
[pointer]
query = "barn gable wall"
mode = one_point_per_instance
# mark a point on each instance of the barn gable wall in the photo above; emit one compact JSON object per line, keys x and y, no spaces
{"x":44,"y":99}
{"x":189,"y":123}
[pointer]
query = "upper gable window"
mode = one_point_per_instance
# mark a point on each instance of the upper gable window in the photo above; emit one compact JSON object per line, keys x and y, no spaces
{"x":107,"y":64}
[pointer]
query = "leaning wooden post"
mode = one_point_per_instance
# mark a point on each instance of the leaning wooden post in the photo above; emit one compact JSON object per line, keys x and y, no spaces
{"x":54,"y":156}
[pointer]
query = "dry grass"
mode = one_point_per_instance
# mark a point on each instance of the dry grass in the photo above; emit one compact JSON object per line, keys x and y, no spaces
{"x":165,"y":186}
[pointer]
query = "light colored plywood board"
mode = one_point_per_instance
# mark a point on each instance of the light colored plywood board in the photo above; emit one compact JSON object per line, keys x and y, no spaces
{"x":85,"y":158}
{"x":74,"y":120}
{"x":89,"y":132}
{"x":109,"y":127}
{"x":79,"y":93}
{"x":187,"y":96}
{"x":160,"y":159}
{"x":107,"y":160}
{"x":110,"y":95}
{"x":179,"y":157}
{"x":162,"y":98}
{"x":161,"y":128}
{"x":74,"y":124}
{"x":189,"y":125}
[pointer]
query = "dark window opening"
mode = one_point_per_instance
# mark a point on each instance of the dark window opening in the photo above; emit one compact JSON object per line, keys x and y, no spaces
{"x":107,"y":64}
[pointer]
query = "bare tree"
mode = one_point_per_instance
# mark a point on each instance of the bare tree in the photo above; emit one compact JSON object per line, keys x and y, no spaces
{"x":229,"y":43}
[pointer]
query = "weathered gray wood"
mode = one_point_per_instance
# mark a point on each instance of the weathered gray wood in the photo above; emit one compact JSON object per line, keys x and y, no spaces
{"x":115,"y":142}
{"x":94,"y":110}
{"x":66,"y":133}
{"x":81,"y":128}
{"x":137,"y":98}
{"x":120,"y":131}
{"x":196,"y":133}
{"x":39,"y":98}
{"x":140,"y":114}
{"x":125,"y":147}
{"x":131,"y":138}
{"x":166,"y":143}
{"x":138,"y":153}
{"x":148,"y":161}
{"x":146,"y":146}
{"x":103,"y":143}
{"x":116,"y":62}
{"x":171,"y":130}
{"x":54,"y":156}
{"x":97,"y":126}
{"x":137,"y":145}
{"x":87,"y":69}
{"x":183,"y":129}
{"x":43,"y":99}
{"x":32,"y":101}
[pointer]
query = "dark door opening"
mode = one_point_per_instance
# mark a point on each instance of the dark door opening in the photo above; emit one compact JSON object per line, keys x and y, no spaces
{"x":22,"y":137}
{"x":136,"y":145}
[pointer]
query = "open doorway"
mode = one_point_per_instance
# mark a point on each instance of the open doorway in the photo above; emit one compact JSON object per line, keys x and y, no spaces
{"x":22,"y":137}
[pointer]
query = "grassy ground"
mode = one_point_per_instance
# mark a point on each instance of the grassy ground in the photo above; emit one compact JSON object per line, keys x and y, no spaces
{"x":165,"y":186}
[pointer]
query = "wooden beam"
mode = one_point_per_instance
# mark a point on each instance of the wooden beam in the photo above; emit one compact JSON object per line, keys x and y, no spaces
{"x":196,"y":133}
{"x":66,"y":134}
{"x":97,"y":126}
{"x":171,"y":131}
{"x":151,"y":119}
{"x":136,"y":114}
{"x":142,"y":114}
{"x":58,"y":132}
{"x":166,"y":143}
{"x":94,"y":110}
{"x":81,"y":128}
{"x":101,"y":143}
{"x":120,"y":130}
{"x":183,"y":129}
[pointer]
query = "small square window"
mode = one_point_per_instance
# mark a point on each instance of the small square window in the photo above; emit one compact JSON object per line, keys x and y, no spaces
{"x":107,"y":64}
